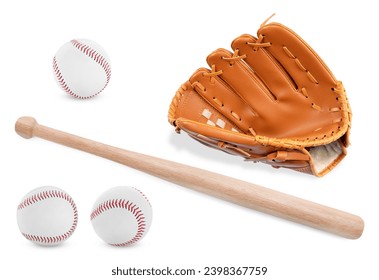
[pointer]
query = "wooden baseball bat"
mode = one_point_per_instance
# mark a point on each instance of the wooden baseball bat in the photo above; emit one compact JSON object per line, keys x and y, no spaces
{"x":243,"y":193}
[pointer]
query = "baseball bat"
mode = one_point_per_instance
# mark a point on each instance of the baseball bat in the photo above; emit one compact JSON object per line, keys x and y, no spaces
{"x":233,"y":190}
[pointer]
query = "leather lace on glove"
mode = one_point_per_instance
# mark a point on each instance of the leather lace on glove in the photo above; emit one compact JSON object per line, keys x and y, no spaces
{"x":271,"y":100}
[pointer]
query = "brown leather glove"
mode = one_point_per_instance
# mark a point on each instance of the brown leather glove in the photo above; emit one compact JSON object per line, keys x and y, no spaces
{"x":272,"y":100}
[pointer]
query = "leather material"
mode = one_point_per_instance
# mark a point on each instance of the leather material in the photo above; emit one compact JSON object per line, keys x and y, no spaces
{"x":272,"y":99}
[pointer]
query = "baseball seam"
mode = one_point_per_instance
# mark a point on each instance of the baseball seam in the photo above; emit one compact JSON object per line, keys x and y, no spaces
{"x":144,"y":196}
{"x":93,"y":54}
{"x":61,"y":80}
{"x":130,"y":207}
{"x":46,"y":195}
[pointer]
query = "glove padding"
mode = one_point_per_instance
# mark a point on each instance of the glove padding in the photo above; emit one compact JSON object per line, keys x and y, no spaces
{"x":272,"y":100}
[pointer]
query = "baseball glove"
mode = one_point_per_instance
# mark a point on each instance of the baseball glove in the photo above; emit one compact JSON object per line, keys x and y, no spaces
{"x":271,"y":100}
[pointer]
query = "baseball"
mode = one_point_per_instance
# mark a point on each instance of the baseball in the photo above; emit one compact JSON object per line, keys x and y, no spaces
{"x":47,"y":216}
{"x":82,"y":68}
{"x":121,"y":216}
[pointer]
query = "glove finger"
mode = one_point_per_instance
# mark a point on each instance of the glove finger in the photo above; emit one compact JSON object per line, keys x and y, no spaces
{"x":239,"y":77}
{"x":302,"y":64}
{"x":264,"y":65}
{"x":222,"y":99}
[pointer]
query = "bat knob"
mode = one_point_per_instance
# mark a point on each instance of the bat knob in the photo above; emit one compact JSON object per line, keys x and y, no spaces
{"x":25,"y":127}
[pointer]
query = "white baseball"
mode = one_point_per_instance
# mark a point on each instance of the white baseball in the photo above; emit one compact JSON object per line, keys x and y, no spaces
{"x":82,"y":68}
{"x":121,"y":216}
{"x":47,"y":216}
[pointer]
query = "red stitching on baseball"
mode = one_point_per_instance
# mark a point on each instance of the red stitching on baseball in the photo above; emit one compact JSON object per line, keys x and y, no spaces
{"x":61,"y":80}
{"x":130,"y":207}
{"x":40,"y":197}
{"x":142,"y":195}
{"x":95,"y":56}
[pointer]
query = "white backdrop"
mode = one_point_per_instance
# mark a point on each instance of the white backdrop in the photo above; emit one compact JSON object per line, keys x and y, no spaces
{"x":154,"y":46}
